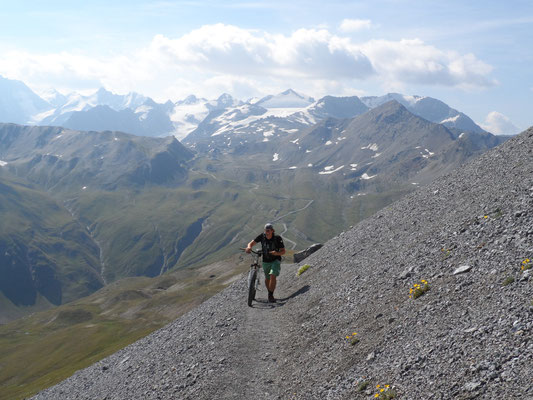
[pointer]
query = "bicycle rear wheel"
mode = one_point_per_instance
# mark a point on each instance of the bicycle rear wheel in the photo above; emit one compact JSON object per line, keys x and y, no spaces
{"x":252,"y":276}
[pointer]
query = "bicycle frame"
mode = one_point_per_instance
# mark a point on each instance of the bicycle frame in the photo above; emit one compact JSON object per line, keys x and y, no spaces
{"x":254,"y":273}
{"x":255,"y":265}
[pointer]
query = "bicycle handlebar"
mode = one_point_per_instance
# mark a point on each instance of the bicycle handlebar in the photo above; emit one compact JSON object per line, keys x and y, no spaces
{"x":259,"y":252}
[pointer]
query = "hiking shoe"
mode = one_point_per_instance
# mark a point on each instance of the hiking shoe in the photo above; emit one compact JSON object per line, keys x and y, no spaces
{"x":271,"y":298}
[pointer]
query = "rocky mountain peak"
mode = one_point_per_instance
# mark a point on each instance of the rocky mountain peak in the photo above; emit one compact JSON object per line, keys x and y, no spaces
{"x":389,"y":112}
{"x":190,"y":99}
{"x":18,"y":103}
{"x":338,"y":107}
{"x":287,"y":99}
{"x":225,"y":100}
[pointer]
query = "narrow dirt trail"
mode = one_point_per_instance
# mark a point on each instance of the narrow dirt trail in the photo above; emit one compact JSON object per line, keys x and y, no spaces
{"x":252,"y":370}
{"x":222,"y":350}
{"x":285,"y":229}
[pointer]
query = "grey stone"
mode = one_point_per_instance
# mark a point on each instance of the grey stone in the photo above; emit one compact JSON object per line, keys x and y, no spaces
{"x":462,"y":269}
{"x":406,"y":273}
{"x":302,"y":255}
{"x":525,"y":275}
{"x":471,"y":386}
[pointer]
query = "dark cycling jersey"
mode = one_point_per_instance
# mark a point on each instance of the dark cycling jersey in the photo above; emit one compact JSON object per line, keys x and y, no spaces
{"x":274,"y":244}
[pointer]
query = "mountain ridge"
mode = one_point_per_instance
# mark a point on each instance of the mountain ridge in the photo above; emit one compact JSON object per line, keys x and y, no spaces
{"x":429,"y":108}
{"x":52,"y":156}
{"x":143,"y":116}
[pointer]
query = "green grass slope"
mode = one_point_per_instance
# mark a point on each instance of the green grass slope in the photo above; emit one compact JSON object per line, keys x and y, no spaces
{"x":40,"y":350}
{"x":43,"y":250}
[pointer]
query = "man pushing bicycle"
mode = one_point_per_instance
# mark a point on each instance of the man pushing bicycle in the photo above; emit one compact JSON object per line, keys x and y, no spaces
{"x":273,"y":248}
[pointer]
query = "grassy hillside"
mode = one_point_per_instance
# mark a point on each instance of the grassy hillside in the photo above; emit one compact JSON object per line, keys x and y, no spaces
{"x":44,"y":252}
{"x":42,"y":349}
{"x":149,"y":205}
{"x":148,"y":231}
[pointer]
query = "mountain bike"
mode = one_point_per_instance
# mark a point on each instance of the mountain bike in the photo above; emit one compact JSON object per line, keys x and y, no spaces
{"x":253,"y":275}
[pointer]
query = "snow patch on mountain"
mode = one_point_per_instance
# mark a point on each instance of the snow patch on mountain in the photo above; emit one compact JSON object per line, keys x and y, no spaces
{"x":412,"y":99}
{"x":330,"y":169}
{"x":451,"y":119}
{"x":248,"y":115}
{"x":102,"y":97}
{"x":143,"y":111}
{"x":54,"y":98}
{"x":3,"y":163}
{"x":371,"y":146}
{"x":187,"y":115}
{"x":427,"y":153}
{"x":39,"y":117}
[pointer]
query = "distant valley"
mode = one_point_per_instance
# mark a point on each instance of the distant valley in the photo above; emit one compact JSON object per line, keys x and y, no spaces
{"x":141,"y":205}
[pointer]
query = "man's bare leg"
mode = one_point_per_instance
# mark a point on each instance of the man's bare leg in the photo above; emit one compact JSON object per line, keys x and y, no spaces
{"x":271,"y":286}
{"x":272,"y":283}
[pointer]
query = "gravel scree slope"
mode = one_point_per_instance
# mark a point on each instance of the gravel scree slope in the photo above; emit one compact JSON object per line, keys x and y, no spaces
{"x":469,"y":336}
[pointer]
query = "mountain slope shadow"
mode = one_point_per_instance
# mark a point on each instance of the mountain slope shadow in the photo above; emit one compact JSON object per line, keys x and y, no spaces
{"x":281,"y":301}
{"x":300,"y":291}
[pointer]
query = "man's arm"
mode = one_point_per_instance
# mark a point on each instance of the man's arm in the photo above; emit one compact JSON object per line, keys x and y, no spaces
{"x":250,"y":245}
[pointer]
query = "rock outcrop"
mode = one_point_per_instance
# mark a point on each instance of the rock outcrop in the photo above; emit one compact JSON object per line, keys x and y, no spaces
{"x":302,"y":255}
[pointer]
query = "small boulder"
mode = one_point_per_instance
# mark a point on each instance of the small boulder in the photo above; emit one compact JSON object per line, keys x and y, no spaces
{"x":471,"y":386}
{"x":525,"y":275}
{"x":462,"y":269}
{"x":406,"y":273}
{"x":302,"y":255}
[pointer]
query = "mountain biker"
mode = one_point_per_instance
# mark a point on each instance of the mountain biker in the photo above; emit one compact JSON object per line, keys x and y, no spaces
{"x":273,"y":248}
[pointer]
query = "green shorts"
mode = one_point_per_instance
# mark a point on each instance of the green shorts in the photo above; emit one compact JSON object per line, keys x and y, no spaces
{"x":272,"y":268}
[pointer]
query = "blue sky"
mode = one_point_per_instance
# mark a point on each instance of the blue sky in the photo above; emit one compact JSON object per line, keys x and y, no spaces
{"x":476,"y":56}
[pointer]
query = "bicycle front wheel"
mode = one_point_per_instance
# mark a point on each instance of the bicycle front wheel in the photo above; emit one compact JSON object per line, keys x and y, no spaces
{"x":252,"y":276}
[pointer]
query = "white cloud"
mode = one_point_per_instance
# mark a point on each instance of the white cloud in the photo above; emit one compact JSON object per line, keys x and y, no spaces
{"x":499,"y":124}
{"x":354,"y":25}
{"x":243,"y":61}
{"x":411,"y":61}
{"x":232,"y":50}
